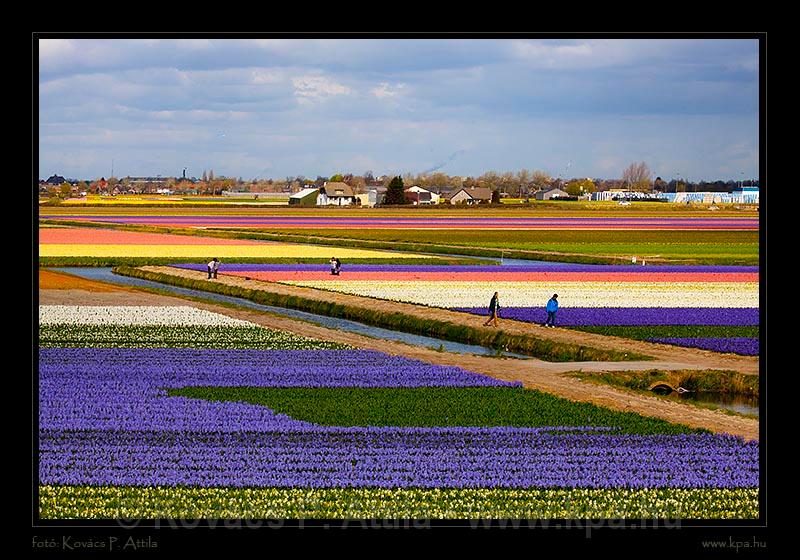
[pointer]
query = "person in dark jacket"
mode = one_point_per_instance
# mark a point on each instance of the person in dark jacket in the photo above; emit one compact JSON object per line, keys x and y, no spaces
{"x":552,"y":308}
{"x":494,"y":308}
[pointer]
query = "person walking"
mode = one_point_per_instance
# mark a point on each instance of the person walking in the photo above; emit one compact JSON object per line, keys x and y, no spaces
{"x":338,"y":266}
{"x":333,"y":265}
{"x":494,"y":308}
{"x":552,"y":308}
{"x":213,"y":265}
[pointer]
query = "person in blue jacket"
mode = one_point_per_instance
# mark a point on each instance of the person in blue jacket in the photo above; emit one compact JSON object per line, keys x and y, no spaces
{"x":552,"y":308}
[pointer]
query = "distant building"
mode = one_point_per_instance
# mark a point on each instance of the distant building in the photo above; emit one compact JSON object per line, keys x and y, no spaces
{"x":475,"y":195}
{"x":551,"y":193}
{"x":333,"y":193}
{"x":417,"y":198}
{"x":418,"y":195}
{"x":55,"y":180}
{"x":745,"y":195}
{"x":623,"y":194}
{"x":375,"y":196}
{"x":306,"y":197}
{"x":444,"y":191}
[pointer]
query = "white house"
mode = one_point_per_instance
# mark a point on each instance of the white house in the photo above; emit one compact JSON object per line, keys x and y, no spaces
{"x":423,"y":196}
{"x":475,"y":195}
{"x":334,"y":193}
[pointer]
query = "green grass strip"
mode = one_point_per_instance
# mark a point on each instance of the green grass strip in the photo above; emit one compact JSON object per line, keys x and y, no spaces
{"x":666,"y":331}
{"x":126,"y":502}
{"x":490,"y":338}
{"x":161,"y":336}
{"x":702,"y":381}
{"x":432,"y":406}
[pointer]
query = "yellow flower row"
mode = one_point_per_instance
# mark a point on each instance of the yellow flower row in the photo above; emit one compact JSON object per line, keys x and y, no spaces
{"x":71,"y":502}
{"x":168,"y":202}
{"x":221,"y":251}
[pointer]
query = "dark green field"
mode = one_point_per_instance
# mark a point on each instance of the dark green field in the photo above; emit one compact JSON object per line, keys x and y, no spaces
{"x":673,"y":246}
{"x":432,"y":406}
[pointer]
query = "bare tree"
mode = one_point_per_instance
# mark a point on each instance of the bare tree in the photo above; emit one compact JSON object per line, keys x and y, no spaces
{"x":439,"y":179}
{"x":540,"y":179}
{"x":508,"y":181}
{"x":523,"y":180}
{"x":489,"y":180}
{"x":359,"y":184}
{"x":638,"y":177}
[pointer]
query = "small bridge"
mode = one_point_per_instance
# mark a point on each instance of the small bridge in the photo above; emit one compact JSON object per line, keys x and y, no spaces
{"x":665,"y":388}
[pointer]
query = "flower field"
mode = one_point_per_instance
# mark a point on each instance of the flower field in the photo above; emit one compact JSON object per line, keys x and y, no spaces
{"x":93,"y":242}
{"x":128,"y":200}
{"x":159,"y":412}
{"x":710,"y":307}
{"x":248,"y":220}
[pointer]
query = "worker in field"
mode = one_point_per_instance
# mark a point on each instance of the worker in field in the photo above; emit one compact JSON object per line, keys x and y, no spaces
{"x":494,"y":309}
{"x":213,"y":267}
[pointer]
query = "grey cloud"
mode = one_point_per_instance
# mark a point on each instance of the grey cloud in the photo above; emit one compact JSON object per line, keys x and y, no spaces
{"x":307,"y":106}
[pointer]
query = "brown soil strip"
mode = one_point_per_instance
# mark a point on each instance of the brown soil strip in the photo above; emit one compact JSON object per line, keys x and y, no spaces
{"x":49,"y":280}
{"x":535,"y":374}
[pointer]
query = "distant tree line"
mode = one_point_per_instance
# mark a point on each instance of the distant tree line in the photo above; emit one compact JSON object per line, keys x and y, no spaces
{"x":517,"y":184}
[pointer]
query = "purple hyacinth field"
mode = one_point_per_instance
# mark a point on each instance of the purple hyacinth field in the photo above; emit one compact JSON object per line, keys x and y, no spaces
{"x":141,"y":420}
{"x":704,"y":297}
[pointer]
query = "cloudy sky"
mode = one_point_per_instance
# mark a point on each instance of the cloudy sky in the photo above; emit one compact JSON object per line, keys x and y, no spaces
{"x":286,"y":107}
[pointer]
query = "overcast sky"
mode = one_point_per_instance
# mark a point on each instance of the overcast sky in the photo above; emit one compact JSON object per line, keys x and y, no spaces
{"x":286,"y":107}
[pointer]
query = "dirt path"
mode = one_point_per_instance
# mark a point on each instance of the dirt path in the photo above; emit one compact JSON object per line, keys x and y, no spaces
{"x":534,"y":374}
{"x":681,"y":358}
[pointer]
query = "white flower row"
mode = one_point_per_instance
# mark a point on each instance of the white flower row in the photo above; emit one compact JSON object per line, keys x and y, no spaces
{"x":536,"y":294}
{"x":135,"y":315}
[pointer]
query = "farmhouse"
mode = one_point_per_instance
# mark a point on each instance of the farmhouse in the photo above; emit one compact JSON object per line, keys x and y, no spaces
{"x":334,"y":193}
{"x":474,"y":195}
{"x":55,"y":180}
